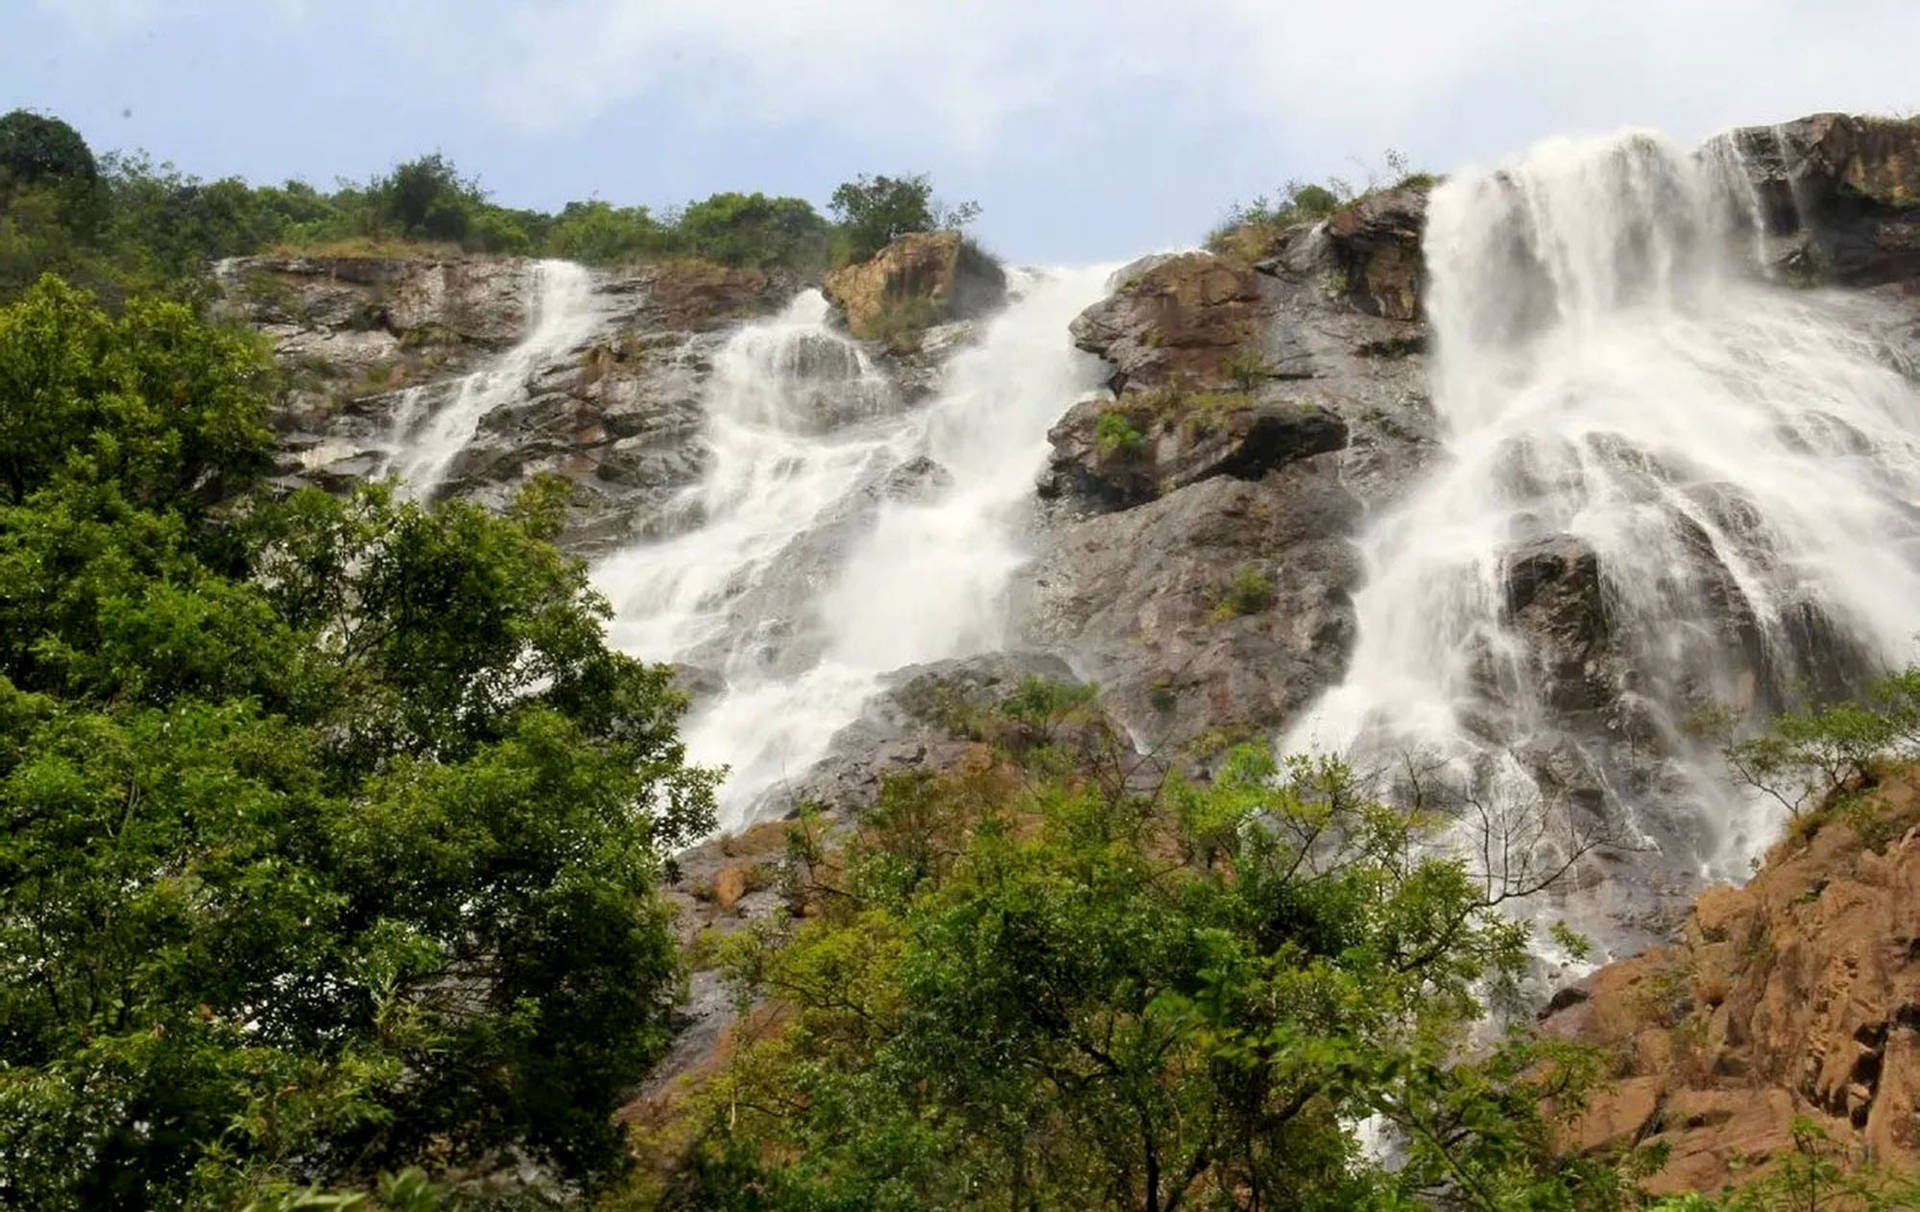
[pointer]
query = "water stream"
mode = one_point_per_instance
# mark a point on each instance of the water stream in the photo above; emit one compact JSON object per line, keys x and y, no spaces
{"x":840,"y":533}
{"x":431,"y":426}
{"x":1615,"y":375}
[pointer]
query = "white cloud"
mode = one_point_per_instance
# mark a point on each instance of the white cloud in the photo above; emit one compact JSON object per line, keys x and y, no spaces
{"x":1352,"y":74}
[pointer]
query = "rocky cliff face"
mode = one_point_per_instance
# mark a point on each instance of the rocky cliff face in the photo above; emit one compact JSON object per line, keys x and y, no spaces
{"x":1198,"y":564}
{"x":1797,"y":995}
{"x":366,"y":340}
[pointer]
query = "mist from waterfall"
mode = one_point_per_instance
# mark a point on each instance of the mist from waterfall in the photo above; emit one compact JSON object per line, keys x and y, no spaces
{"x":432,"y":426}
{"x":837,"y":533}
{"x":1613,"y":371}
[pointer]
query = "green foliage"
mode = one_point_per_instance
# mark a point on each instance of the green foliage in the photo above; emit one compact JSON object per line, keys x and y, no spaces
{"x":166,"y":408}
{"x":1037,"y":992}
{"x":754,"y":230}
{"x":1114,"y":435}
{"x":329,"y":828}
{"x":36,"y":148}
{"x":1250,"y":229}
{"x":1251,"y":592}
{"x":875,"y":211}
{"x":900,"y":322}
{"x":599,"y":233}
{"x":1258,"y":220}
{"x":126,"y":226}
{"x":1820,"y":757}
{"x":1247,"y":371}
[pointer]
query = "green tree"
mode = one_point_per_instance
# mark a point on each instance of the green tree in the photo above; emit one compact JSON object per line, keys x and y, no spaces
{"x":426,"y":198}
{"x":329,"y":829}
{"x":36,"y":149}
{"x":599,"y":233}
{"x":1033,"y":993}
{"x":754,"y":230}
{"x":875,"y":211}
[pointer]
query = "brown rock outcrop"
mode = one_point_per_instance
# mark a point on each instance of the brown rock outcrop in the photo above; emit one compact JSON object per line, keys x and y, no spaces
{"x":1176,"y":320}
{"x":920,"y":280}
{"x":1797,"y":995}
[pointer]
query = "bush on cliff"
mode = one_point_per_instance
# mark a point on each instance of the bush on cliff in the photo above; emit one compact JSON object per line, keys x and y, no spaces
{"x":329,"y":829}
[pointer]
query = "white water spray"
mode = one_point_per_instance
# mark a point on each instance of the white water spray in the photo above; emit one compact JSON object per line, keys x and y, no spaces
{"x":427,"y":439}
{"x":839,"y":537}
{"x":1745,"y":468}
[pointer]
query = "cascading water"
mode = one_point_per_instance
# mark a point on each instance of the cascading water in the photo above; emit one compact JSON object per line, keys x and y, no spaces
{"x":427,"y":438}
{"x":1620,"y":386}
{"x":835,"y":536}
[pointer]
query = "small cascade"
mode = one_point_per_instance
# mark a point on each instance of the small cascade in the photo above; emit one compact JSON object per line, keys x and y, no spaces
{"x":837,"y":534}
{"x":432,"y":426}
{"x":1667,"y":484}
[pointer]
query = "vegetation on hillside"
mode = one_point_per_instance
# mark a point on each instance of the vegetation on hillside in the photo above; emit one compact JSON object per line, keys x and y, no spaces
{"x":121,"y":225}
{"x":1249,"y":229}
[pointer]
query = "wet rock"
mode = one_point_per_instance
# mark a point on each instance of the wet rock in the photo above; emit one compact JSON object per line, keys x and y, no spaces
{"x":690,"y":296}
{"x":917,"y":479}
{"x":621,"y":418}
{"x":1376,"y":242}
{"x":1222,"y":607}
{"x":1848,"y":187}
{"x":1330,"y":318}
{"x":1178,"y":320}
{"x":920,"y":280}
{"x":1556,"y":600}
{"x":460,"y":299}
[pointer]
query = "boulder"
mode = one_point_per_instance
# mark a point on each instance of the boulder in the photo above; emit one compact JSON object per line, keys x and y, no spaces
{"x":1329,"y":317}
{"x":1118,"y":454}
{"x":1376,"y":242}
{"x":920,"y":280}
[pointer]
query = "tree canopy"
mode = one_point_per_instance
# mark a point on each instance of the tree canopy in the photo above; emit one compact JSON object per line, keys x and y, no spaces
{"x":875,"y":211}
{"x":329,"y":828}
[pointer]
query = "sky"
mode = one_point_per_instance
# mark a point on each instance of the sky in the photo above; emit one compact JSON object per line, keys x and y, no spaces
{"x":1086,"y":129}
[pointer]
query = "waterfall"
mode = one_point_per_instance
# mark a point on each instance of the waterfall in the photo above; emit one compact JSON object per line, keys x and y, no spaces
{"x":838,"y":534}
{"x":426,"y":440}
{"x":1622,"y":389}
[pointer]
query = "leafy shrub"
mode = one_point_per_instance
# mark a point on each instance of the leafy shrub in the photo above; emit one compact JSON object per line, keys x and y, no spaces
{"x":900,"y":322}
{"x":755,"y":231}
{"x":1114,"y":435}
{"x":599,"y":233}
{"x":1251,"y":592}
